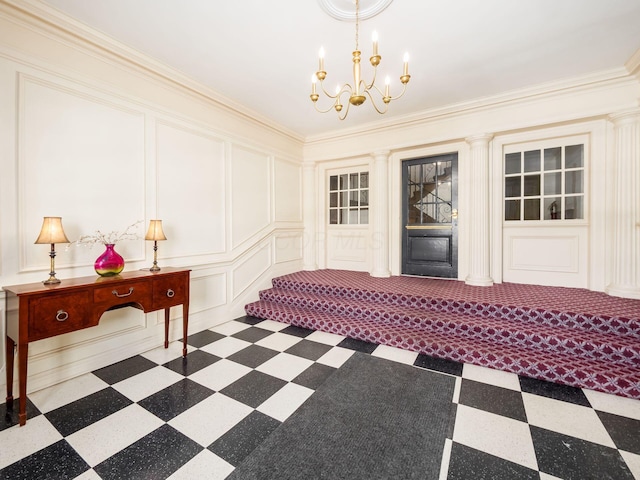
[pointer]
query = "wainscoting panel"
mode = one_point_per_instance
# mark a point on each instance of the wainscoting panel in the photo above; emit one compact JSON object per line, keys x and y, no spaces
{"x":546,"y":256}
{"x":191,"y":191}
{"x":77,"y":150}
{"x":347,"y":248}
{"x":289,"y":175}
{"x":250,"y":193}
{"x":288,"y":247}
{"x":250,"y":269}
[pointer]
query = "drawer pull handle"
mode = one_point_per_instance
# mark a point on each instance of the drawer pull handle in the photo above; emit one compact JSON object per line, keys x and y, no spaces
{"x":170,"y":293}
{"x":122,"y":295}
{"x":61,"y":315}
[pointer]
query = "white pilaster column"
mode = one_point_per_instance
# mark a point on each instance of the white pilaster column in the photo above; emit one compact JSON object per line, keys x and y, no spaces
{"x":379,"y":214}
{"x":625,"y":278}
{"x":309,"y":217}
{"x":478,"y":216}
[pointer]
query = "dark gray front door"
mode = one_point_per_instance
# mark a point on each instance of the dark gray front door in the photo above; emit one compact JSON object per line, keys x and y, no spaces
{"x":430,"y":216}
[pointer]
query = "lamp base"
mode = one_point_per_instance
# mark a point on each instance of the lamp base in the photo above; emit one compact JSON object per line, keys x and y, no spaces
{"x":51,"y":281}
{"x":155,"y":268}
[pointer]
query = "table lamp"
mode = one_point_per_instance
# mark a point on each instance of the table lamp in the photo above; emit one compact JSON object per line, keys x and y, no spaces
{"x":155,"y":233}
{"x":52,"y":233}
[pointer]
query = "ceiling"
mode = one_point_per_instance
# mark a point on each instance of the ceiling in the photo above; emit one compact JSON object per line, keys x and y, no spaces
{"x":261,"y":54}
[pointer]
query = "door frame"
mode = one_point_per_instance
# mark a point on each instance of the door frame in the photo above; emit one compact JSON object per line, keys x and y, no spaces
{"x":433,"y":238}
{"x":395,"y":200}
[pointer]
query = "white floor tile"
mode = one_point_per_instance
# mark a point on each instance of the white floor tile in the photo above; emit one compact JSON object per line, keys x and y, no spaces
{"x":446,"y":459}
{"x":211,"y":418}
{"x":229,"y":328}
{"x":204,"y":465}
{"x":220,"y":374}
{"x":163,"y":355}
{"x":279,"y":341}
{"x":147,"y":383}
{"x":272,"y":325}
{"x":456,"y":390}
{"x":546,"y":476}
{"x":494,"y":434}
{"x":395,"y":354}
{"x":605,"y":402}
{"x":225,"y":346}
{"x":491,"y":376}
{"x":326,"y":338}
{"x":285,"y":366}
{"x":566,"y":418}
{"x":88,"y":475}
{"x":285,"y":401}
{"x":18,"y":442}
{"x":633,"y":462}
{"x":336,"y":357}
{"x":56,"y":396}
{"x":108,"y":436}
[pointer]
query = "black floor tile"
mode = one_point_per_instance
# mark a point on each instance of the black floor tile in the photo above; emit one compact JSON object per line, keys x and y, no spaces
{"x":467,"y":463}
{"x":124,"y":369}
{"x":439,"y":365}
{"x":203,"y":338}
{"x":491,"y":398}
{"x":10,"y":415}
{"x":194,"y":361}
{"x":254,"y":388}
{"x":573,"y":458}
{"x":625,"y":432}
{"x":175,"y":399}
{"x":309,"y":350}
{"x":357,"y":345}
{"x":314,"y":376}
{"x":252,"y":334}
{"x":554,"y":390}
{"x":249,"y":320}
{"x":297,"y":331}
{"x":154,"y":456}
{"x":56,"y":461}
{"x":242,"y":439}
{"x":76,"y":415}
{"x":253,"y":356}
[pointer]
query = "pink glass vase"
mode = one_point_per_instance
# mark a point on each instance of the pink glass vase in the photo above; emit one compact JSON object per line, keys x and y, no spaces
{"x":110,"y":263}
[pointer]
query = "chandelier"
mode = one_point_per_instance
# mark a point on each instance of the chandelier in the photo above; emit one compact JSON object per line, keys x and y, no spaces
{"x":360,"y":90}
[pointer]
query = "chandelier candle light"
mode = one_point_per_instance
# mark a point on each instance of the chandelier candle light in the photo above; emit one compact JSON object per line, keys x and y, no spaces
{"x":360,"y":90}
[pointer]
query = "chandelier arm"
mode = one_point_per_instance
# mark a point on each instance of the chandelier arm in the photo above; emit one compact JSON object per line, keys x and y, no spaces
{"x":373,"y":80}
{"x":331,"y":107}
{"x":373,"y":102}
{"x":345,"y":88}
{"x":404,"y":89}
{"x":342,"y":115}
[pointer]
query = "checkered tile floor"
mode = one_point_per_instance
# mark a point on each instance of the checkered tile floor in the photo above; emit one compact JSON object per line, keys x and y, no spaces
{"x":157,"y":416}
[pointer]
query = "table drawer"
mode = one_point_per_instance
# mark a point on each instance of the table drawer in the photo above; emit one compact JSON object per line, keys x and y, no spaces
{"x":118,"y":294}
{"x":58,"y":314}
{"x":169,"y":291}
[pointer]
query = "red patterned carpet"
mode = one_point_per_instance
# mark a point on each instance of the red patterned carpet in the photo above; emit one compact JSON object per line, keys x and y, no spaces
{"x":564,"y":335}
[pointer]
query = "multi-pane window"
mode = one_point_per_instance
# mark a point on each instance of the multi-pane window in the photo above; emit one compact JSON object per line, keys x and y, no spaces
{"x":349,"y":199}
{"x":545,"y":183}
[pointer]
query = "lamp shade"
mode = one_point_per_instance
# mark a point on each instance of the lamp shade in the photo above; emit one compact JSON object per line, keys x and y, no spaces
{"x":155,"y":231}
{"x":52,"y":231}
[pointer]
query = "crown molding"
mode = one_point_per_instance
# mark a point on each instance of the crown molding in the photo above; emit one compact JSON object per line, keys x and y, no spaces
{"x":595,"y":81}
{"x":633,"y":64}
{"x":40,"y":17}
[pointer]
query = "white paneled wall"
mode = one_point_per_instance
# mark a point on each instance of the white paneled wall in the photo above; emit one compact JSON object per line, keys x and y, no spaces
{"x":97,"y":142}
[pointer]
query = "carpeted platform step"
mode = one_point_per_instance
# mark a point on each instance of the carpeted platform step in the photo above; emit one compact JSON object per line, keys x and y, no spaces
{"x":571,"y":336}
{"x":526,"y":333}
{"x":576,"y":308}
{"x":532,"y":362}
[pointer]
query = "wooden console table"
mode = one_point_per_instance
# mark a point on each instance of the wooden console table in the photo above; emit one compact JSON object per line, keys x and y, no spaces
{"x":36,"y":311}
